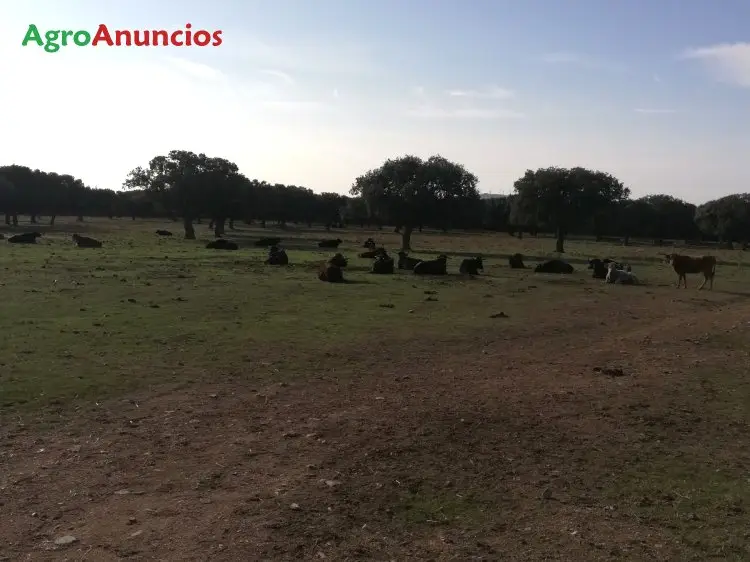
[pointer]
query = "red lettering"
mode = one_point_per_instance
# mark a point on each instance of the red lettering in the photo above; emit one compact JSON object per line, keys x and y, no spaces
{"x":188,"y":35}
{"x":217,"y":38}
{"x":164,"y":38}
{"x":201,"y":38}
{"x":174,"y":39}
{"x":143,"y":41}
{"x":119,"y":38}
{"x":102,"y":34}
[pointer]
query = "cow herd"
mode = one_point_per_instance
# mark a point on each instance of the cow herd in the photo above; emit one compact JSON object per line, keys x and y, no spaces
{"x":332,"y":270}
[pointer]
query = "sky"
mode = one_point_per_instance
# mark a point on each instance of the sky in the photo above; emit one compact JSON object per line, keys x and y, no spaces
{"x":317,"y":92}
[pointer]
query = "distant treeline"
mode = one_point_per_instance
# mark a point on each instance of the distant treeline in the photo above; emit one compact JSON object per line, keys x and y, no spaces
{"x":406,"y":193}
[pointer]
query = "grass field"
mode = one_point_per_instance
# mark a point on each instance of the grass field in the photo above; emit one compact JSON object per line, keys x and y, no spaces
{"x":161,"y":401}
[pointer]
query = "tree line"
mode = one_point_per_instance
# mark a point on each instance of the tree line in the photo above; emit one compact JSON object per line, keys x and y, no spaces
{"x":408,"y":193}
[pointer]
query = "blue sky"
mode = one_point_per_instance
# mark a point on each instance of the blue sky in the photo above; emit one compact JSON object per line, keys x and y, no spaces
{"x":314,"y":93}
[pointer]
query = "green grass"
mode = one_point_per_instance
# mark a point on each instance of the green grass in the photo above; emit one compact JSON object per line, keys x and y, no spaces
{"x":83,"y":323}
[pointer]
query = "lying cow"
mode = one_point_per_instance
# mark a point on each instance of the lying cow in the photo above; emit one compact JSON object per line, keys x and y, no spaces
{"x":683,"y":265}
{"x":383,"y":264}
{"x":369,"y":244}
{"x":471,"y":266}
{"x":86,"y":242}
{"x":620,"y":276}
{"x":25,"y":238}
{"x":222,"y":244}
{"x":163,"y":233}
{"x":554,"y":266}
{"x":405,"y":262}
{"x":277,"y":256}
{"x":438,"y":266}
{"x":371,"y":254}
{"x":601,"y":267}
{"x":330,"y":243}
{"x":266,"y":242}
{"x":516,"y":261}
{"x":332,"y":269}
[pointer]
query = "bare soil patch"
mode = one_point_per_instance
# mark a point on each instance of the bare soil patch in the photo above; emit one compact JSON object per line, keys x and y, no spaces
{"x":500,"y":443}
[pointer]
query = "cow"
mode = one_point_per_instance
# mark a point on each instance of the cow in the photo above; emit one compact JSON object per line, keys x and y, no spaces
{"x":371,"y":254}
{"x":471,"y":266}
{"x":554,"y":266}
{"x":601,"y":267}
{"x":620,"y":276}
{"x":277,"y":256}
{"x":683,"y":265}
{"x":338,"y":260}
{"x":25,"y":238}
{"x":330,"y":243}
{"x":86,"y":242}
{"x":331,"y":270}
{"x":369,"y":244}
{"x":438,"y":266}
{"x":383,"y":264}
{"x":266,"y":242}
{"x":405,"y":262}
{"x":222,"y":244}
{"x":163,"y":233}
{"x":516,"y":261}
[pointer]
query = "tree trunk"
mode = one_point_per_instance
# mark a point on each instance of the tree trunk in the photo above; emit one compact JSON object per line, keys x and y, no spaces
{"x":14,"y":217}
{"x":263,"y":223}
{"x":211,"y":223}
{"x":80,"y":218}
{"x":133,"y":217}
{"x":406,"y":239}
{"x":219,"y":227}
{"x":32,"y":219}
{"x":560,"y":245}
{"x":7,"y":219}
{"x":626,"y":240}
{"x":231,"y":224}
{"x":189,"y":229}
{"x":52,"y":220}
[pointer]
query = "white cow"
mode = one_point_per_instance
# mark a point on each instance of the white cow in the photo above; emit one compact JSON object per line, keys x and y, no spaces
{"x":615,"y":275}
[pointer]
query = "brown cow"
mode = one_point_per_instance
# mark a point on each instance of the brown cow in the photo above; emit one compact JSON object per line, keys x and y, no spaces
{"x":683,"y":265}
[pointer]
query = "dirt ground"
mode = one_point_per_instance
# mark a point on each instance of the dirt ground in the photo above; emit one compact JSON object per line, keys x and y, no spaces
{"x":524,"y":442}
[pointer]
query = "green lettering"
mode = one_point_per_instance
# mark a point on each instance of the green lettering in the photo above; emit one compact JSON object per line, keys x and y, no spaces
{"x":82,"y":38}
{"x":32,"y":34}
{"x":65,"y":36}
{"x":51,"y":36}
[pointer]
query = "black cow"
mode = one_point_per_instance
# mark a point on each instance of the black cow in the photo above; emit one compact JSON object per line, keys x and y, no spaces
{"x":370,"y":254}
{"x":222,"y":244}
{"x":163,"y":233}
{"x":330,"y":243}
{"x":383,"y":264}
{"x":25,"y":238}
{"x":516,"y":261}
{"x":338,"y":260}
{"x":438,"y":266}
{"x":405,"y":262}
{"x":554,"y":266}
{"x":471,"y":266}
{"x":86,"y":242}
{"x":277,"y":256}
{"x":369,"y":244}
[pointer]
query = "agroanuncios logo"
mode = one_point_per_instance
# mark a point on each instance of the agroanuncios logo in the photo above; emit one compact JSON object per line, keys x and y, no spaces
{"x":53,"y":39}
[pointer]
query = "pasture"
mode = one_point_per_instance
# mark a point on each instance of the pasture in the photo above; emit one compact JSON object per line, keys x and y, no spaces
{"x":159,"y":400}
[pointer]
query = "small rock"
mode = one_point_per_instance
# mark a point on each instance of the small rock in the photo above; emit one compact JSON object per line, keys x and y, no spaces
{"x":132,"y":521}
{"x":136,"y":533}
{"x":122,"y":492}
{"x":388,"y":305}
{"x":294,"y":506}
{"x":65,"y":540}
{"x":499,"y":315}
{"x":331,"y":483}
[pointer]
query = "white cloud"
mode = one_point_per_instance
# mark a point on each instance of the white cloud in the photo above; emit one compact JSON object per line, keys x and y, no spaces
{"x":291,"y":105}
{"x":654,"y":111}
{"x":730,"y":62}
{"x":432,"y":112}
{"x":195,"y":69}
{"x":490,"y":93}
{"x":283,"y":76}
{"x":336,"y":93}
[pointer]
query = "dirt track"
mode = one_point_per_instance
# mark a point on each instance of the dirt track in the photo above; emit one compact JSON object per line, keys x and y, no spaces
{"x":495,"y":446}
